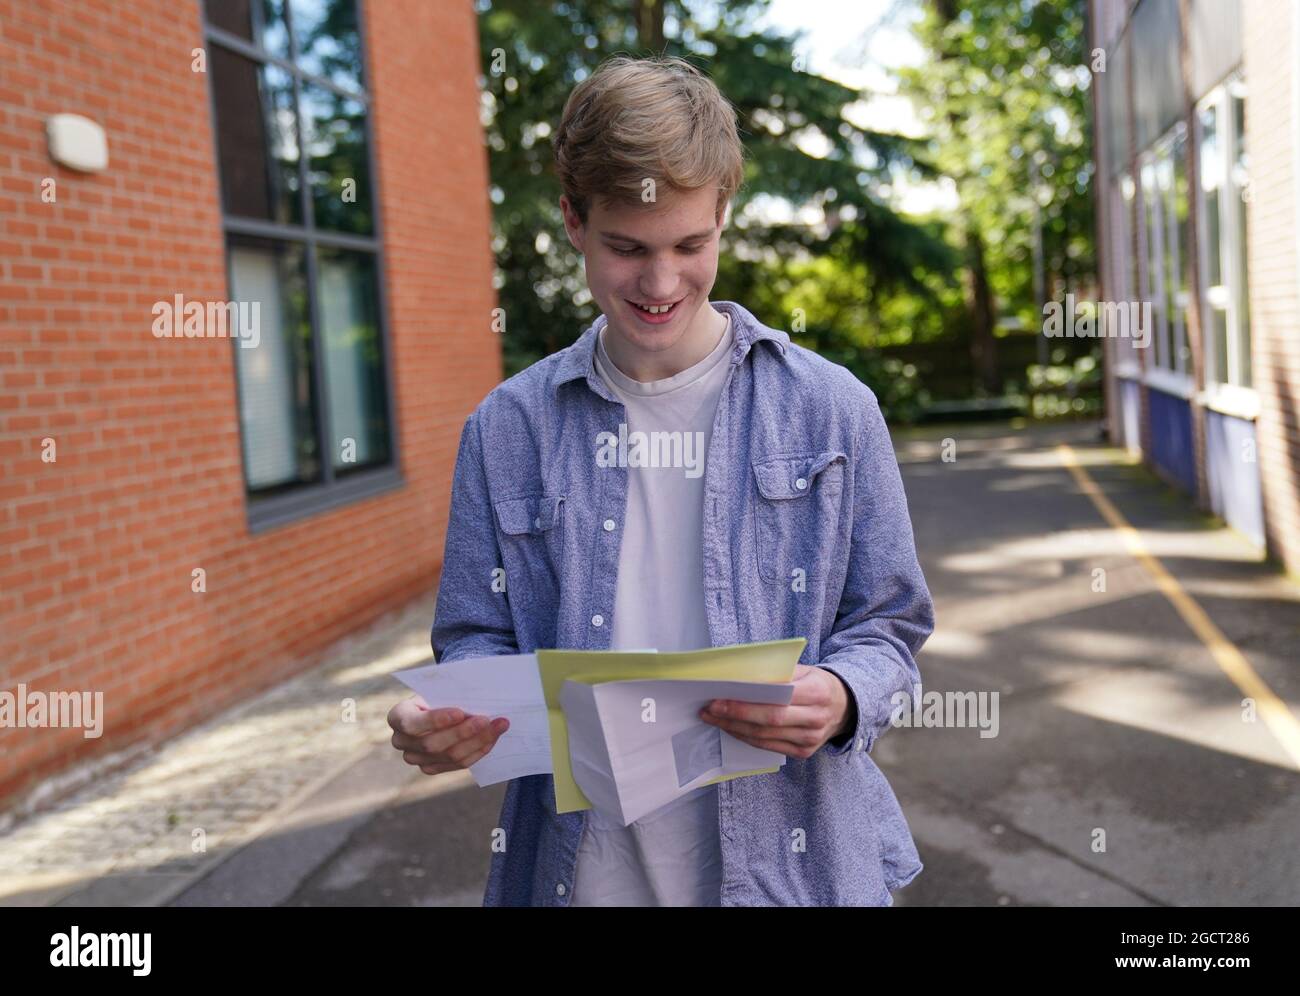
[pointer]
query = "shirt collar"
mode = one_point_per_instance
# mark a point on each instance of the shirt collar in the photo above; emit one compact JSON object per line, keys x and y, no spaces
{"x":578,"y":360}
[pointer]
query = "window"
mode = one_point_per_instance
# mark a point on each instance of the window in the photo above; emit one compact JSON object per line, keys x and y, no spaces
{"x":292,"y":124}
{"x":1221,"y":126}
{"x":1165,"y":220}
{"x":1125,"y":271}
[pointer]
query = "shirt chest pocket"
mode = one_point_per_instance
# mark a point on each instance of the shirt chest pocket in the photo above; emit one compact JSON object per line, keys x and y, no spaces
{"x":531,"y":535}
{"x":798,"y":515}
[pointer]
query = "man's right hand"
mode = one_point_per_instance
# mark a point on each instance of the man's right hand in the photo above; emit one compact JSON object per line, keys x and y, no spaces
{"x":442,"y":739}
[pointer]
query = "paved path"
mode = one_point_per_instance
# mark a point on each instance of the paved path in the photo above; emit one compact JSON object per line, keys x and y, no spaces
{"x":1113,"y":717}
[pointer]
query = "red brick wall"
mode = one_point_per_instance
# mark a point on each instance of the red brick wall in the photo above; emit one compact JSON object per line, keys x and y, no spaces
{"x":96,"y":550}
{"x":1271,"y":138}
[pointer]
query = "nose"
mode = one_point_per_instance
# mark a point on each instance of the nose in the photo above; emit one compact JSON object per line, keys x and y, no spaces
{"x":659,"y":280}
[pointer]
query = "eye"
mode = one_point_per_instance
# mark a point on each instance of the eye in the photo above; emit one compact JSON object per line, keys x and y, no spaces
{"x":691,"y":250}
{"x":625,"y":252}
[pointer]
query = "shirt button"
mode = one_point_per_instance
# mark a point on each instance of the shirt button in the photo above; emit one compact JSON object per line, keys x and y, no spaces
{"x":609,"y":525}
{"x":559,"y":889}
{"x":859,"y":743}
{"x":801,"y":484}
{"x":537,"y":522}
{"x":598,"y":620}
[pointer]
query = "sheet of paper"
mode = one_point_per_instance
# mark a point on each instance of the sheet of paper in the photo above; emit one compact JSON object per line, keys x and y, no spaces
{"x":636,"y":745}
{"x":507,"y":686}
{"x":771,"y":662}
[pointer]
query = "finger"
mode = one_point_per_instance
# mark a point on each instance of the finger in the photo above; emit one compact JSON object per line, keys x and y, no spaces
{"x":758,"y":714}
{"x":437,"y":769}
{"x":783,"y":747}
{"x":474,"y":758}
{"x":484,"y":738}
{"x":792,"y":735}
{"x":432,"y":742}
{"x":417,"y":723}
{"x":436,"y":748}
{"x":443,"y":741}
{"x":419,"y":758}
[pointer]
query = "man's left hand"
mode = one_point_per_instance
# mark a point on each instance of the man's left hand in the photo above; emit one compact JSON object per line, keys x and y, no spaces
{"x":818,"y":711}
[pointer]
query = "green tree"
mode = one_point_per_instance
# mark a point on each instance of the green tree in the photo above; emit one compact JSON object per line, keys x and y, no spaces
{"x":532,"y":57}
{"x":1005,"y":94}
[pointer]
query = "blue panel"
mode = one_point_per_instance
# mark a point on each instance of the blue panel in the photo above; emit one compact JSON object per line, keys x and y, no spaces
{"x":1232,"y":465}
{"x":1171,"y":438}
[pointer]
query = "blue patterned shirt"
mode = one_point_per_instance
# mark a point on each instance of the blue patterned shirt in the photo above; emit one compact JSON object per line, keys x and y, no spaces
{"x":806,"y":533}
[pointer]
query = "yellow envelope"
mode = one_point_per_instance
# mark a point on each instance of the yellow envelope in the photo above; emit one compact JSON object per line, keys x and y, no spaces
{"x":772,"y":661}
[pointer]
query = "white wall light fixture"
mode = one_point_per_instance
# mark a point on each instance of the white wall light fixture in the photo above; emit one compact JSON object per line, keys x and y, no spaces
{"x":77,"y":143}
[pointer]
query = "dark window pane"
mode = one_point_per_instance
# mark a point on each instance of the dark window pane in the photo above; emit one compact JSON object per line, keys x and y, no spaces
{"x":260,"y":22}
{"x":334,"y":135}
{"x":256,"y":138}
{"x":329,"y":43}
{"x":277,"y":408}
{"x":234,"y":16}
{"x":354,"y":361}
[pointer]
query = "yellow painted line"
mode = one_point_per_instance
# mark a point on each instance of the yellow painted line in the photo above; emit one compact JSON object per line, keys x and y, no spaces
{"x":1281,"y":723}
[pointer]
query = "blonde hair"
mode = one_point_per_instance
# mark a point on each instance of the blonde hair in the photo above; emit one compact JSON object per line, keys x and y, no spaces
{"x":658,"y":118}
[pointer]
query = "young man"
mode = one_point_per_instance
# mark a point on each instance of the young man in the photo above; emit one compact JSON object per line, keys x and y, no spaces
{"x":765,"y":503}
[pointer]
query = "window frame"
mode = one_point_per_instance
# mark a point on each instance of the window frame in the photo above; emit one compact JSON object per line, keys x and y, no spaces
{"x":1223,"y":390}
{"x":330,"y":492}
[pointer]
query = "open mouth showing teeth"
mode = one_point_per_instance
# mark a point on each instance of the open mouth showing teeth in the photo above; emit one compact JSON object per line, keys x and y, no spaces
{"x":655,"y":309}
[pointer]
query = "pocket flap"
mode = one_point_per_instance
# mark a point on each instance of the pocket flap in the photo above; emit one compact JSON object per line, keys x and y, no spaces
{"x":793,"y":476}
{"x":528,"y":514}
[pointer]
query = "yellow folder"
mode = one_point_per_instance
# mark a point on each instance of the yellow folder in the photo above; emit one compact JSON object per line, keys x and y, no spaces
{"x":772,"y":661}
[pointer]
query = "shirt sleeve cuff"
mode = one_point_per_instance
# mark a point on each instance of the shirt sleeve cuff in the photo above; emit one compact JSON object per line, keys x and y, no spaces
{"x":849,"y":739}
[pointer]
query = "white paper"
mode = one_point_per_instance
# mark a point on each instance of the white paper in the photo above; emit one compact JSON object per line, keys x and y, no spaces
{"x":509,"y":686}
{"x":627,"y":765}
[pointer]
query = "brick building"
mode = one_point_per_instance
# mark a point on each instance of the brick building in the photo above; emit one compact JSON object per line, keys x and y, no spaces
{"x":1197,"y":128}
{"x":185,"y":518}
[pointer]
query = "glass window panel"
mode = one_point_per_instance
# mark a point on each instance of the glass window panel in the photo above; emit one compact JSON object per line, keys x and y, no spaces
{"x":274,"y":28}
{"x":1211,"y":170}
{"x":1169,"y":254}
{"x":334,"y":135}
{"x":297,"y":373}
{"x":329,"y":42}
{"x":256,"y":138}
{"x":354,"y":362}
{"x":1129,"y":191}
{"x":276,"y":401}
{"x":1240,"y":178}
{"x":1181,"y":240}
{"x":1216,"y":291}
{"x":1155,"y":275}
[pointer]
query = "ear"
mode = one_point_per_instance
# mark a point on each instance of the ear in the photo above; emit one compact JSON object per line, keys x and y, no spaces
{"x":573,"y":227}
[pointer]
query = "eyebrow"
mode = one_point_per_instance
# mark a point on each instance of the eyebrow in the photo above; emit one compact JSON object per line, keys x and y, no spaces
{"x":689,"y":238}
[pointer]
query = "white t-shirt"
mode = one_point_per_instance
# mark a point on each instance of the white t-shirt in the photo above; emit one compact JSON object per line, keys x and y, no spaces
{"x":672,"y":856}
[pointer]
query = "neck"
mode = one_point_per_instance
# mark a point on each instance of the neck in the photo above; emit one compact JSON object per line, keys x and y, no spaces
{"x":698,"y":341}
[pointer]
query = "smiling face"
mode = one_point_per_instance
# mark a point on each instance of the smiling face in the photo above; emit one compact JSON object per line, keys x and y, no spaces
{"x":662,"y":254}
